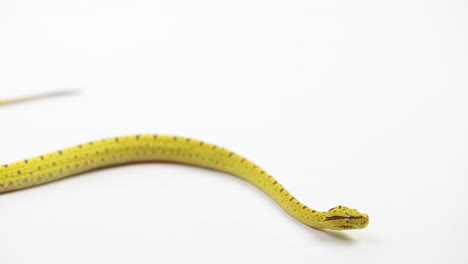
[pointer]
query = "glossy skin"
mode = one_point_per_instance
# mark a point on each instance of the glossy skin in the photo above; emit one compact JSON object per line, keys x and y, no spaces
{"x":165,"y":148}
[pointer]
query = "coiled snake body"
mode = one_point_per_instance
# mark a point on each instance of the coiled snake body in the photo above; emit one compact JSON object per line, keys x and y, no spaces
{"x":147,"y":148}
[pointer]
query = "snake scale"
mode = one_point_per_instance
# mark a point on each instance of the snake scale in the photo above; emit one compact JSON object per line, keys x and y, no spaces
{"x":166,"y":148}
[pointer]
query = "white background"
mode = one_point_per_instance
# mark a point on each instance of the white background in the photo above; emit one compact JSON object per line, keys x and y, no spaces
{"x":360,"y":103}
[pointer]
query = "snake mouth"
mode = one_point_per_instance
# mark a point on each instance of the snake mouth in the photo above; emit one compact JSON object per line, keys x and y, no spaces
{"x":347,"y":218}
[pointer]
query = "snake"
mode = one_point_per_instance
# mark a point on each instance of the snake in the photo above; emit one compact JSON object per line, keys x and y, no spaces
{"x":131,"y":149}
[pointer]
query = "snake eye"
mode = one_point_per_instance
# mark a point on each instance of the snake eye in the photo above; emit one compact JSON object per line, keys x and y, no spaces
{"x":346,"y":217}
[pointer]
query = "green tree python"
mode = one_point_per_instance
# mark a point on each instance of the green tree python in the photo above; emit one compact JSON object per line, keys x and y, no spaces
{"x":165,"y":148}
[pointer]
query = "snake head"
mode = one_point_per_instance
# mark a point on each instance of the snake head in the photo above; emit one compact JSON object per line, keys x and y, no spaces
{"x":342,"y":217}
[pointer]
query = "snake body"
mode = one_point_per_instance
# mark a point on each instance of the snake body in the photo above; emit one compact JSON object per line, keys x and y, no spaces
{"x":164,"y":148}
{"x":143,"y":148}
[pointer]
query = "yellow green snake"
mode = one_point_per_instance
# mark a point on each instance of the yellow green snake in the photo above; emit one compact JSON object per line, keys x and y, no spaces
{"x":165,"y":148}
